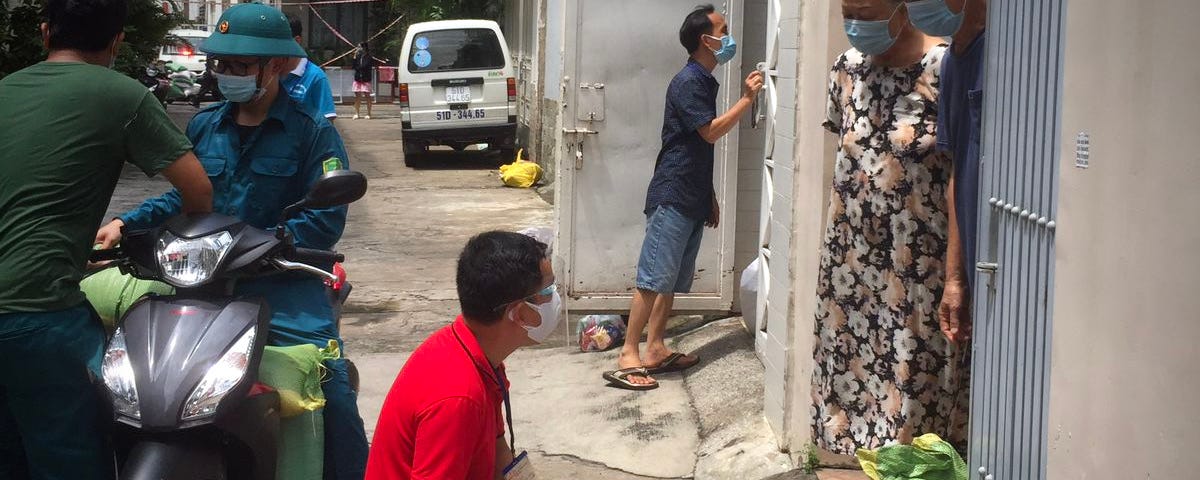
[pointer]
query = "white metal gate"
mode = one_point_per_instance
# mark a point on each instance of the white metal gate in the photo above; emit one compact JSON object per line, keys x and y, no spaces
{"x":620,"y":55}
{"x":771,"y":336}
{"x":1014,"y":280}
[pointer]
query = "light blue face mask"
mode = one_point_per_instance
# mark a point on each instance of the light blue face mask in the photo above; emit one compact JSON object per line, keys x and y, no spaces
{"x":727,"y":51}
{"x":934,"y":17}
{"x":239,"y":89}
{"x":871,"y":37}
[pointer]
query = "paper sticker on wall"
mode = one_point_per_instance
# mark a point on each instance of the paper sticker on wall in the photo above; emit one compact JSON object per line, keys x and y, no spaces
{"x":422,"y":43}
{"x":422,"y":58}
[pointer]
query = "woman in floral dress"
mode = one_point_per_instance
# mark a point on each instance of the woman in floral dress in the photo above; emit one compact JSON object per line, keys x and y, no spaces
{"x":884,"y":372}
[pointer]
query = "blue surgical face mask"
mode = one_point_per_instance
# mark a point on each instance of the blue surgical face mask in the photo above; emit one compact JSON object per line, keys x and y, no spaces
{"x":871,"y":37}
{"x":934,"y":17}
{"x":239,"y":89}
{"x":727,"y":51}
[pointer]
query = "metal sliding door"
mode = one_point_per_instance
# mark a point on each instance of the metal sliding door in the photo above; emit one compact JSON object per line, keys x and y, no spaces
{"x":1014,"y":279}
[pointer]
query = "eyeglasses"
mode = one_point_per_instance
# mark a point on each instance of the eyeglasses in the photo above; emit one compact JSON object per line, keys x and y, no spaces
{"x":545,"y":292}
{"x":234,"y":67}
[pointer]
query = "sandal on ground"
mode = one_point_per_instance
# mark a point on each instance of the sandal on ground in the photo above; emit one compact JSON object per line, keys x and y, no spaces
{"x":620,"y":378}
{"x":676,"y":362}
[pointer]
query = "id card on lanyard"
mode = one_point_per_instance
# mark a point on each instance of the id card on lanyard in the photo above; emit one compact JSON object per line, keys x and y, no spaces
{"x":520,"y":468}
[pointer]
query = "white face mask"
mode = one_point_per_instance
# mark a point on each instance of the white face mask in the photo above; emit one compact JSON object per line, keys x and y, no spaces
{"x":549,"y":312}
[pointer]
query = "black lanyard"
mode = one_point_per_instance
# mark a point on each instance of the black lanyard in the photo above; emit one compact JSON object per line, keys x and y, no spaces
{"x":500,"y":380}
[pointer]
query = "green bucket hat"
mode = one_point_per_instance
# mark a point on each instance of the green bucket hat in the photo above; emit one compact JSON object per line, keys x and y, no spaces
{"x":252,"y":30}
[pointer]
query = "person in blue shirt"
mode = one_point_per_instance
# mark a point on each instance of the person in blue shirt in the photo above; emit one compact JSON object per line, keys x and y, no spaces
{"x":680,"y":201}
{"x":960,"y":109}
{"x":263,"y":151}
{"x":306,"y":81}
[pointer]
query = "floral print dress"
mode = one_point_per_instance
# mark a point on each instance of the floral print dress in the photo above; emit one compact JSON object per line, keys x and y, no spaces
{"x":883,"y":372}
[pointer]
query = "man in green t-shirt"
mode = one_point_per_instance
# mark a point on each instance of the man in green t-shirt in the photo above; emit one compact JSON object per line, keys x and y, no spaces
{"x":67,"y":126}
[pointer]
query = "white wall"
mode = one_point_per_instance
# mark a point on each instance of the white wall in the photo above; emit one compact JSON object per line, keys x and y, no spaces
{"x":553,"y":55}
{"x":810,"y":41}
{"x":1125,"y":362}
{"x":752,"y":50}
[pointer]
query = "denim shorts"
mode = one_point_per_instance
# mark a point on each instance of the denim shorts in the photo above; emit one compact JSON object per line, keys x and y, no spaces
{"x":668,"y":260}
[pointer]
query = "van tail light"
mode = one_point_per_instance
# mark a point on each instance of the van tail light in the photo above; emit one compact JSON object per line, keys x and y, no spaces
{"x":512,"y":89}
{"x":403,"y":94}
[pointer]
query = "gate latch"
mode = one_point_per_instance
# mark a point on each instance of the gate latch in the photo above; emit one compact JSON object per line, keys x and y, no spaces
{"x":987,"y":267}
{"x":580,"y":133}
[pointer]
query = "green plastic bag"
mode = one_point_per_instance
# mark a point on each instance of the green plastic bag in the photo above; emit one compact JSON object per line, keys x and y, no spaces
{"x":301,"y":447}
{"x":111,"y":293}
{"x":928,"y":458}
{"x":295,"y":372}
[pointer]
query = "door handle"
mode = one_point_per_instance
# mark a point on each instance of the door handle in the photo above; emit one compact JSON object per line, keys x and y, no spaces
{"x":756,"y":114}
{"x":580,"y":131}
{"x":987,"y":267}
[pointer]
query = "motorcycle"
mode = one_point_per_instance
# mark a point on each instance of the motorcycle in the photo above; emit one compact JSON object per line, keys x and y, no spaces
{"x":181,"y":371}
{"x":170,"y":83}
{"x":207,"y":89}
{"x":158,"y":84}
{"x":183,"y":84}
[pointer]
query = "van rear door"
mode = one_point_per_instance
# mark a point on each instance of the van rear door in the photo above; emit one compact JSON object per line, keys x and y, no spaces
{"x":461,"y":77}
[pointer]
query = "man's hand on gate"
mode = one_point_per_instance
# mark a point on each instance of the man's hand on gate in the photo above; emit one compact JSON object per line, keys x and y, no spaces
{"x":954,"y":312}
{"x":754,"y":83}
{"x":714,"y":216}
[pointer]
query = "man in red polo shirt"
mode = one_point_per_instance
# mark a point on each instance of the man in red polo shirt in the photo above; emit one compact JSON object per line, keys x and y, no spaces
{"x":443,"y":418}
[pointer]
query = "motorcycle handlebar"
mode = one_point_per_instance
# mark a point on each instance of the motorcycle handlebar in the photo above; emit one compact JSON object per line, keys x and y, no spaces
{"x":105,"y":255}
{"x":309,"y":255}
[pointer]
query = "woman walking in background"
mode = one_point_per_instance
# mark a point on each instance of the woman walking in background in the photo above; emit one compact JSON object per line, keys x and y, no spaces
{"x":883,"y":370}
{"x":364,"y":71}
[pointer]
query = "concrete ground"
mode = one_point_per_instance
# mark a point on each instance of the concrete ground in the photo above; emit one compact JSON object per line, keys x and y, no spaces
{"x":401,"y":244}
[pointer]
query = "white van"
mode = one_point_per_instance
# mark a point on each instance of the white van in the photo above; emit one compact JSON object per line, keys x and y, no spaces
{"x":457,"y":87}
{"x":185,"y":50}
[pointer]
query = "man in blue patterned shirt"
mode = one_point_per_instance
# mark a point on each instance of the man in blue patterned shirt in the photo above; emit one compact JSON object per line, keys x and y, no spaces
{"x":680,"y":201}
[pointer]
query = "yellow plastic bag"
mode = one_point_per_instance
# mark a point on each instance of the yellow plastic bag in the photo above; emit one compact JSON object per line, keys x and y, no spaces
{"x":521,"y":173}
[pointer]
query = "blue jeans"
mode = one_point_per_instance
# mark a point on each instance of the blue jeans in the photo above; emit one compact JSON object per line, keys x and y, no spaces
{"x":301,"y":313}
{"x":53,"y":421}
{"x":668,"y":260}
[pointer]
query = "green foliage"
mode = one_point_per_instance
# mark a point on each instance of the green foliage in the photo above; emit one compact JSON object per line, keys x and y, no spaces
{"x":810,"y":460}
{"x":417,"y":11}
{"x":146,"y":30}
{"x":380,"y":14}
{"x":20,"y":36}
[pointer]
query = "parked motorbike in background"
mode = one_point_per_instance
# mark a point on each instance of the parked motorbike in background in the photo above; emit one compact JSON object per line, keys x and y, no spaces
{"x":181,"y":370}
{"x":156,"y":81}
{"x":171,"y":82}
{"x":184,"y":85}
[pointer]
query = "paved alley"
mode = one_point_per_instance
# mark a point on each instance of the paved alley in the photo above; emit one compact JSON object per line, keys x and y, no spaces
{"x":401,"y":245}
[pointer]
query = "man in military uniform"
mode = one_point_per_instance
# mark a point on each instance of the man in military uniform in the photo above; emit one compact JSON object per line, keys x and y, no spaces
{"x":263,"y":152}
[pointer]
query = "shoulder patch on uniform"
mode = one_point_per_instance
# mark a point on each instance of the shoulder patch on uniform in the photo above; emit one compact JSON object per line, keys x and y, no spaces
{"x":331,"y":164}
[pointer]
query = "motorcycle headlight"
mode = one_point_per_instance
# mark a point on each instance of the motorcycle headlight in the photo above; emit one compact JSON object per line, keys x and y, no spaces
{"x":190,"y":262}
{"x":118,"y":376}
{"x":220,"y":379}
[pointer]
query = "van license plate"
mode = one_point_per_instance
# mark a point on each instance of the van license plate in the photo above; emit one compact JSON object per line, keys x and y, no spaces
{"x":458,"y":94}
{"x":464,"y":114}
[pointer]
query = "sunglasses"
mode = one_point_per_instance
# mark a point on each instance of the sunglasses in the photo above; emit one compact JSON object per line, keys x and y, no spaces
{"x":234,"y":67}
{"x":545,"y":292}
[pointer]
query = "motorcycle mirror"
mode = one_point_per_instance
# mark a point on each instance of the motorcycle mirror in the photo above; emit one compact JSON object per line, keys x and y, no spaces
{"x":336,"y":188}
